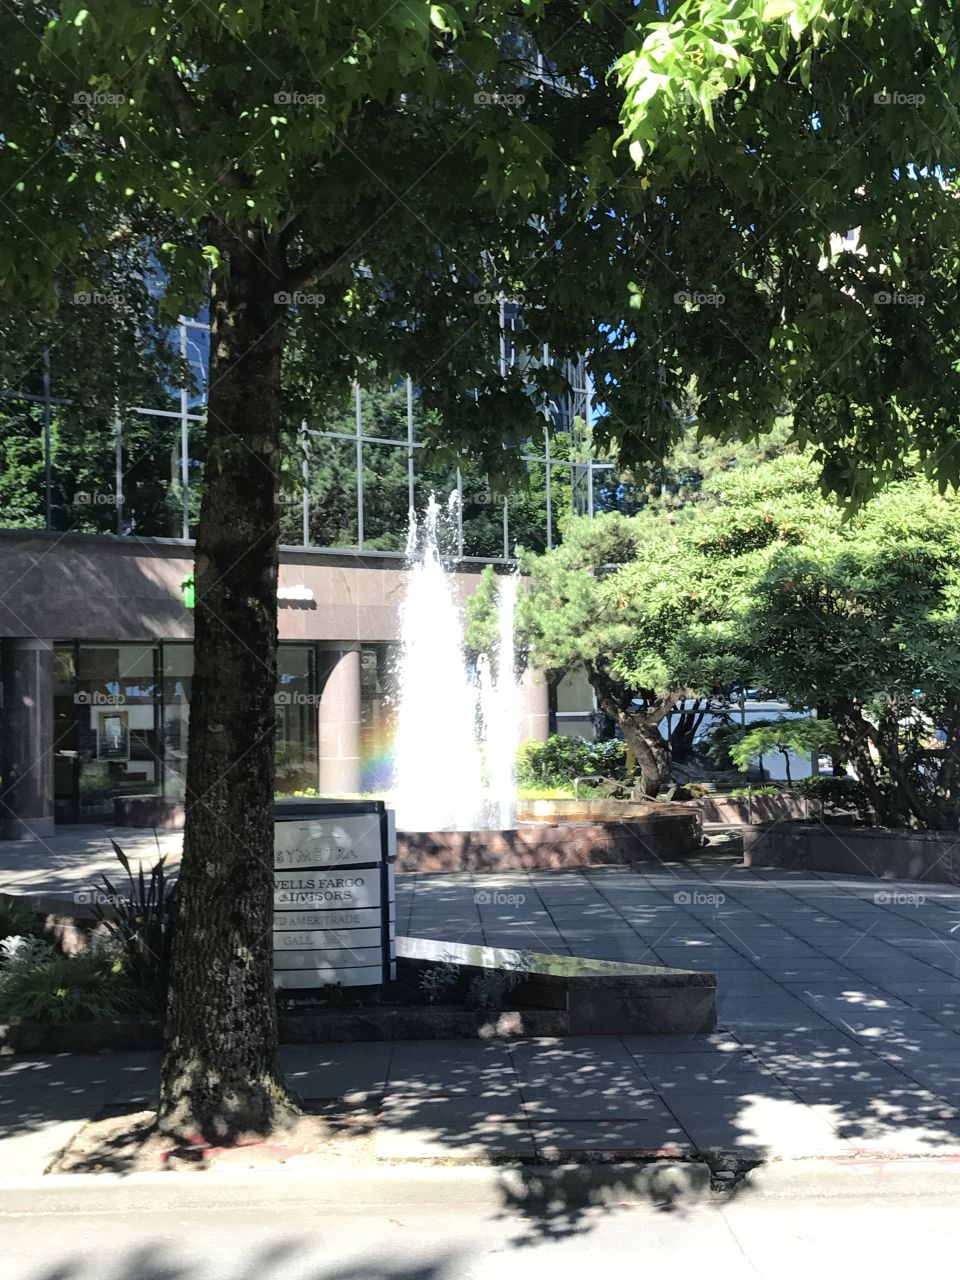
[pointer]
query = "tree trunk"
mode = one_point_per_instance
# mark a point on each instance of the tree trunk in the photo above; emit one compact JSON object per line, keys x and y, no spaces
{"x":857,"y":735}
{"x":652,"y":754}
{"x":221,"y":1077}
{"x":685,"y":730}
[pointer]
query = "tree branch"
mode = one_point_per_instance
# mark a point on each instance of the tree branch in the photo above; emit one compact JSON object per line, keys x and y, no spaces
{"x":314,"y":270}
{"x":182,"y":103}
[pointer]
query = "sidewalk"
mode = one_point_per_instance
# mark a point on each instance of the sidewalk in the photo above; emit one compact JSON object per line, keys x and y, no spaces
{"x":77,"y":856}
{"x":475,"y":1102}
{"x":839,"y":1002}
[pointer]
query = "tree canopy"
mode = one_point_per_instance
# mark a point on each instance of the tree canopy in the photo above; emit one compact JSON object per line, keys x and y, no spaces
{"x":667,"y":189}
{"x":660,"y":187}
{"x":856,"y":618}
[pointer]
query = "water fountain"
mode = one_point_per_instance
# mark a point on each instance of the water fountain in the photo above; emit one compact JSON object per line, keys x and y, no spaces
{"x":455,"y":803}
{"x":456,"y":736}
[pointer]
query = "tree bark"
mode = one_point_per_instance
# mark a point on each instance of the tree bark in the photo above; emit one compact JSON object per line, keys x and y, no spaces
{"x":221,"y":1077}
{"x":640,"y":729}
{"x":652,"y":754}
{"x":686,"y":729}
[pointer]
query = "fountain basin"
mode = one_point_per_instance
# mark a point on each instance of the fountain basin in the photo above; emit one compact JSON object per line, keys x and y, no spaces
{"x":657,"y":833}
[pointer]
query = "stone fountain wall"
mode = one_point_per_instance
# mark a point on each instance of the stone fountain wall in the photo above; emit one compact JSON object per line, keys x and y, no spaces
{"x":544,"y":846}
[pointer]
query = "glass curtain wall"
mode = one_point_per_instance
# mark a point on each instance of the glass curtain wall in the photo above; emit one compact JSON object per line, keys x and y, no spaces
{"x":296,"y":706}
{"x":350,"y":480}
{"x":117,"y":725}
{"x":121,"y":723}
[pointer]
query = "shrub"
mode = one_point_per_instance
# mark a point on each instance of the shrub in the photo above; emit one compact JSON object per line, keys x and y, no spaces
{"x":22,"y":951}
{"x":717,"y":742}
{"x":39,"y":987}
{"x":142,"y":922}
{"x":838,"y":794}
{"x":560,"y":759}
{"x":438,"y":981}
{"x":797,"y":736}
{"x":17,"y":920}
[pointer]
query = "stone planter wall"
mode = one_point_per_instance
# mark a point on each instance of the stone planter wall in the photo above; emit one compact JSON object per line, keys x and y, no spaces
{"x":860,"y":851}
{"x":748,"y":810}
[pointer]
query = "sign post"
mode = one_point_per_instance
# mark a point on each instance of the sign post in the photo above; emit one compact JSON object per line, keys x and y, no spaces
{"x":334,"y":914}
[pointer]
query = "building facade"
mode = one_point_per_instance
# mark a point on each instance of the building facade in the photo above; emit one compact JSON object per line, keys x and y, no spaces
{"x":97,"y":657}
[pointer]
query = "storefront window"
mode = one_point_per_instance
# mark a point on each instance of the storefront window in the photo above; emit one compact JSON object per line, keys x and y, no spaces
{"x":65,"y":733}
{"x":296,"y":705}
{"x":121,"y":724}
{"x":117,"y":739}
{"x":575,"y":705}
{"x":177,"y":681}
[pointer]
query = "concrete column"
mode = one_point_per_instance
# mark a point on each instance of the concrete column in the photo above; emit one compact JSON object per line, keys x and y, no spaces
{"x":26,"y":739}
{"x":534,"y":706}
{"x":339,"y":724}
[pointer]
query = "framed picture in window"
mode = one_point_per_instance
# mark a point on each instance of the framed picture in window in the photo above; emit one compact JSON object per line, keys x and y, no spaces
{"x":113,"y":735}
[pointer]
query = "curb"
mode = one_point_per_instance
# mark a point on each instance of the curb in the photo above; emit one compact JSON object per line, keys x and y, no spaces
{"x":531,"y":1188}
{"x":858,"y":1177}
{"x":527,"y":1188}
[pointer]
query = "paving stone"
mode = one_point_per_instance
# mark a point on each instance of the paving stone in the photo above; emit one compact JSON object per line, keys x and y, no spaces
{"x":338,"y":1070}
{"x":788,"y":1013}
{"x":638,"y":1101}
{"x":443,"y":1128}
{"x":764,"y":1122}
{"x":686,"y":1071}
{"x":464,"y":1067}
{"x":555,"y":1139}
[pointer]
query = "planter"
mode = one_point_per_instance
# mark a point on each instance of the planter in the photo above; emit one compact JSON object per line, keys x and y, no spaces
{"x":553,"y":996}
{"x":748,"y":810}
{"x":635,"y":835}
{"x":862,"y":851}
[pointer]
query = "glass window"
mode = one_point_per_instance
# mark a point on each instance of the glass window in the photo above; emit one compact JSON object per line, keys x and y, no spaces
{"x":152,"y":489}
{"x":575,"y":693}
{"x":117,"y":739}
{"x":297,"y":762}
{"x":333,"y":492}
{"x":83,"y":444}
{"x":377,"y":715}
{"x":65,"y":797}
{"x":177,"y":688}
{"x":386,"y":497}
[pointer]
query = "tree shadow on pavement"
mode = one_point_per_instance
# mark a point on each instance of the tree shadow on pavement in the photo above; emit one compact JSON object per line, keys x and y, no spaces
{"x":300,"y":1257}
